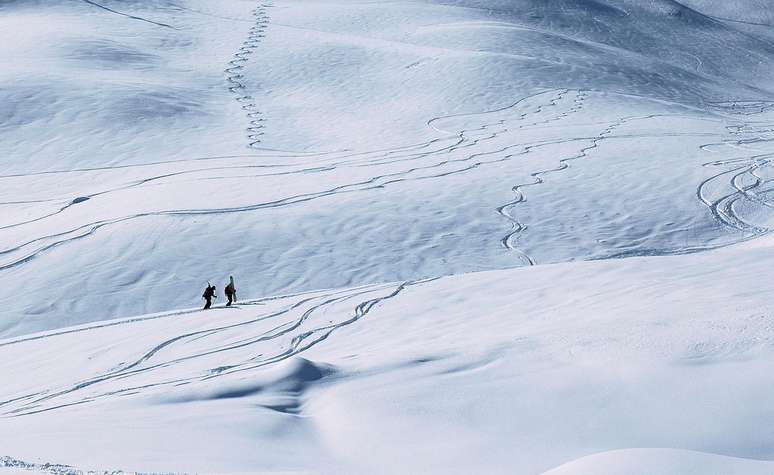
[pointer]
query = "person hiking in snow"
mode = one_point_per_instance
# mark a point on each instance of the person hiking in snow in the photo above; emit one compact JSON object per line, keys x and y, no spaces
{"x":208,"y":294}
{"x":230,"y":291}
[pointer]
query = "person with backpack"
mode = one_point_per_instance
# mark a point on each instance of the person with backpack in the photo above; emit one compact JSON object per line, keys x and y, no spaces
{"x":208,"y":294}
{"x":230,"y":291}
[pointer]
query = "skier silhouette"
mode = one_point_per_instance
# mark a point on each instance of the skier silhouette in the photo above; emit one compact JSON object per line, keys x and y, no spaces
{"x":230,"y":291}
{"x":208,"y":294}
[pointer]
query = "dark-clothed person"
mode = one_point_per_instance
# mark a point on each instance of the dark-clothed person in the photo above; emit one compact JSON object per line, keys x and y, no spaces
{"x":230,"y":291}
{"x":208,"y":295}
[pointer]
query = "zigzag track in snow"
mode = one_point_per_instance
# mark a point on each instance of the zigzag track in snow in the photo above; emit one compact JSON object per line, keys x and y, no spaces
{"x":505,"y":210}
{"x":235,"y":77}
{"x":510,"y":240}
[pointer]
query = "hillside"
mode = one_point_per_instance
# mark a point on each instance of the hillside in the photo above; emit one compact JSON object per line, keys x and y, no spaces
{"x":468,"y":236}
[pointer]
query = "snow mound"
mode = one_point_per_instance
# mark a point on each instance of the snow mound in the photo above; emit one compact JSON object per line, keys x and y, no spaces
{"x":662,"y":462}
{"x":287,"y":378}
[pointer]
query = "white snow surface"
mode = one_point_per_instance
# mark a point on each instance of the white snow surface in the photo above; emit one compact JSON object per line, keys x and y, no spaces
{"x":595,"y":367}
{"x":468,"y":236}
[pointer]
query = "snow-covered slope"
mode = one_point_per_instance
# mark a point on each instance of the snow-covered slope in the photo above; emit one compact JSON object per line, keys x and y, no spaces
{"x":662,"y":461}
{"x":465,"y":177}
{"x":389,"y":141}
{"x":514,"y":371}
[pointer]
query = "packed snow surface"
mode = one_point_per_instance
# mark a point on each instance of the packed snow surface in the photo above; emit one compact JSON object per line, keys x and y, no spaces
{"x":541,"y":230}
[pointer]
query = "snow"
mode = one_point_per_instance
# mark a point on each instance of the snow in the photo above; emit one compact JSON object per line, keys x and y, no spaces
{"x":660,"y":461}
{"x":470,"y":236}
{"x":532,"y":368}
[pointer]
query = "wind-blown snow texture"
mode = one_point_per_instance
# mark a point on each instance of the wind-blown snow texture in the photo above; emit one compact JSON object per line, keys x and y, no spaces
{"x":390,"y":152}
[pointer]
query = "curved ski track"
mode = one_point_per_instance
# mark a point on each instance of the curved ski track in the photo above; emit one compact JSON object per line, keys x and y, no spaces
{"x":295,"y":332}
{"x":516,"y":226}
{"x":463,"y":139}
{"x":741,"y":180}
{"x":133,"y":17}
{"x":745,"y":183}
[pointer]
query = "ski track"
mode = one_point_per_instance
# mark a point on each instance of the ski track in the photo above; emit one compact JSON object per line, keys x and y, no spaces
{"x":516,"y":226}
{"x":37,"y":402}
{"x":740,"y":180}
{"x":293,"y":336}
{"x":744,"y":108}
{"x":435,"y":148}
{"x":133,"y":17}
{"x":510,"y":240}
{"x":738,"y":183}
{"x":722,"y":208}
{"x":462,"y":140}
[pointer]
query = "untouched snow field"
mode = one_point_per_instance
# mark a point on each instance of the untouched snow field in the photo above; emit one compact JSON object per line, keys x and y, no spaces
{"x":541,"y":230}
